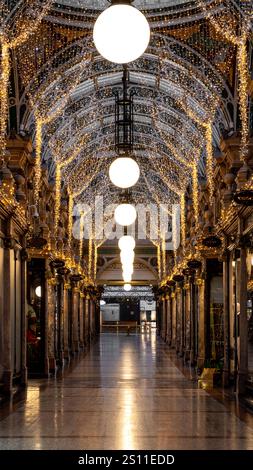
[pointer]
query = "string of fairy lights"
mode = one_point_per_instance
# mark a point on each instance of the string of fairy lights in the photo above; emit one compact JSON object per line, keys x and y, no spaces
{"x":69,"y":90}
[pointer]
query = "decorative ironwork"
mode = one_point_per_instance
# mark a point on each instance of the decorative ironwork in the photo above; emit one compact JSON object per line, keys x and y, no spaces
{"x":244,"y":198}
{"x":124,"y":117}
{"x":178,"y":278}
{"x":37,"y":242}
{"x":194,"y":263}
{"x":57,"y":263}
{"x":212,"y":241}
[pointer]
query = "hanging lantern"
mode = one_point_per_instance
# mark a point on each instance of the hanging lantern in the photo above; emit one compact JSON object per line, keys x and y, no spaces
{"x":178,"y":278}
{"x":121,"y":33}
{"x":212,"y":241}
{"x":244,"y":198}
{"x":194,"y":264}
{"x":124,"y":172}
{"x":125,"y":214}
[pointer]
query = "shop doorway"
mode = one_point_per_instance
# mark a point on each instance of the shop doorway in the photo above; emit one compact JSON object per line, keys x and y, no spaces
{"x":35,"y":317}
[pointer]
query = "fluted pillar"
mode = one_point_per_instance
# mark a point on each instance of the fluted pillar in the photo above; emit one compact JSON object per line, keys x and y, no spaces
{"x":201,"y":324}
{"x":174,"y":320}
{"x":50,"y":300}
{"x":169,"y":322}
{"x":66,"y":319}
{"x":6,"y":362}
{"x":226,"y":306}
{"x":23,"y":274}
{"x":75,"y":301}
{"x":187,"y":322}
{"x":81,"y":319}
{"x":243,"y":326}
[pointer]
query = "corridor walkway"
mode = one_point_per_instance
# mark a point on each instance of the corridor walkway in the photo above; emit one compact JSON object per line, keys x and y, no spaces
{"x":125,"y":394}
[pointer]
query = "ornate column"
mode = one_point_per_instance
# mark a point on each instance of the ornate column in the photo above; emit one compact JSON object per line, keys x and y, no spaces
{"x":178,"y":319}
{"x":7,"y":305}
{"x":174,"y":320}
{"x":243,"y":325}
{"x":169,"y":323}
{"x":66,"y":314}
{"x":50,"y":300}
{"x":75,"y":300}
{"x":182,"y":321}
{"x":226,"y":307}
{"x":81,"y":317}
{"x":164,"y":320}
{"x":187,"y":321}
{"x":192,"y":319}
{"x":201,"y":323}
{"x":86,"y":322}
{"x":23,"y":257}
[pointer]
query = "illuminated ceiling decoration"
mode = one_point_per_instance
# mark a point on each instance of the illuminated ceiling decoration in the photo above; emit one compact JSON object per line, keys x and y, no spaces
{"x":186,"y":71}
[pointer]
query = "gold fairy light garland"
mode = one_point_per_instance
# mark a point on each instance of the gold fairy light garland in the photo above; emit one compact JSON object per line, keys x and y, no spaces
{"x":90,"y":254}
{"x":57,"y":197}
{"x":242,"y":61}
{"x":195,"y":195}
{"x":164,"y":256}
{"x":70,"y":218}
{"x":44,"y":116}
{"x":242,"y":66}
{"x":5,"y":65}
{"x":158,"y":248}
{"x":183,"y":225}
{"x":38,"y":149}
{"x":209,"y":160}
{"x":25,"y":27}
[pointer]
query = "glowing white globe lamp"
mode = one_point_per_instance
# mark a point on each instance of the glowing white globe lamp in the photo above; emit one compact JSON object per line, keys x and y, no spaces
{"x":126,"y":243}
{"x":127,"y":257}
{"x":121,"y":33}
{"x":125,"y":214}
{"x":127,"y":278}
{"x":127,"y":270}
{"x":124,"y":172}
{"x":38,"y":291}
{"x":127,"y":287}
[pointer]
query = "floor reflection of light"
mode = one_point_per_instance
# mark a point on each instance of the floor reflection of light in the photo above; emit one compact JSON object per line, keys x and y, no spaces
{"x":128,"y":419}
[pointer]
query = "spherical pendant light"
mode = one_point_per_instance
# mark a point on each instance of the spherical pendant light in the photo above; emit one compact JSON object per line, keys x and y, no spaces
{"x":127,"y":243}
{"x":127,"y":257}
{"x":121,"y":33}
{"x":127,"y":287}
{"x":129,"y":269}
{"x":124,"y":172}
{"x":127,"y":278}
{"x":125,"y":214}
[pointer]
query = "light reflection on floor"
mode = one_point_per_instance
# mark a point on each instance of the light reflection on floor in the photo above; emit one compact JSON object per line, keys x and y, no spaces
{"x":126,"y":393}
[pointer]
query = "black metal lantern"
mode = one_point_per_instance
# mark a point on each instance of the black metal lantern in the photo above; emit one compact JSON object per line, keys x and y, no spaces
{"x":212,"y":241}
{"x":194,"y":264}
{"x":37,"y":242}
{"x":178,"y":278}
{"x":76,"y":277}
{"x":171,"y":283}
{"x":63,"y":271}
{"x":244,"y":198}
{"x":124,"y":117}
{"x":57,"y":263}
{"x":188,"y":272}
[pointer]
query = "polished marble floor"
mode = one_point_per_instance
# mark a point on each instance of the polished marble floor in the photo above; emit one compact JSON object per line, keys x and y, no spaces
{"x":126,"y":393}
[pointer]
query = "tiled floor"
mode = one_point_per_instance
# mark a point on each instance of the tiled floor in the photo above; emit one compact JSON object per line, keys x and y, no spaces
{"x":125,"y":394}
